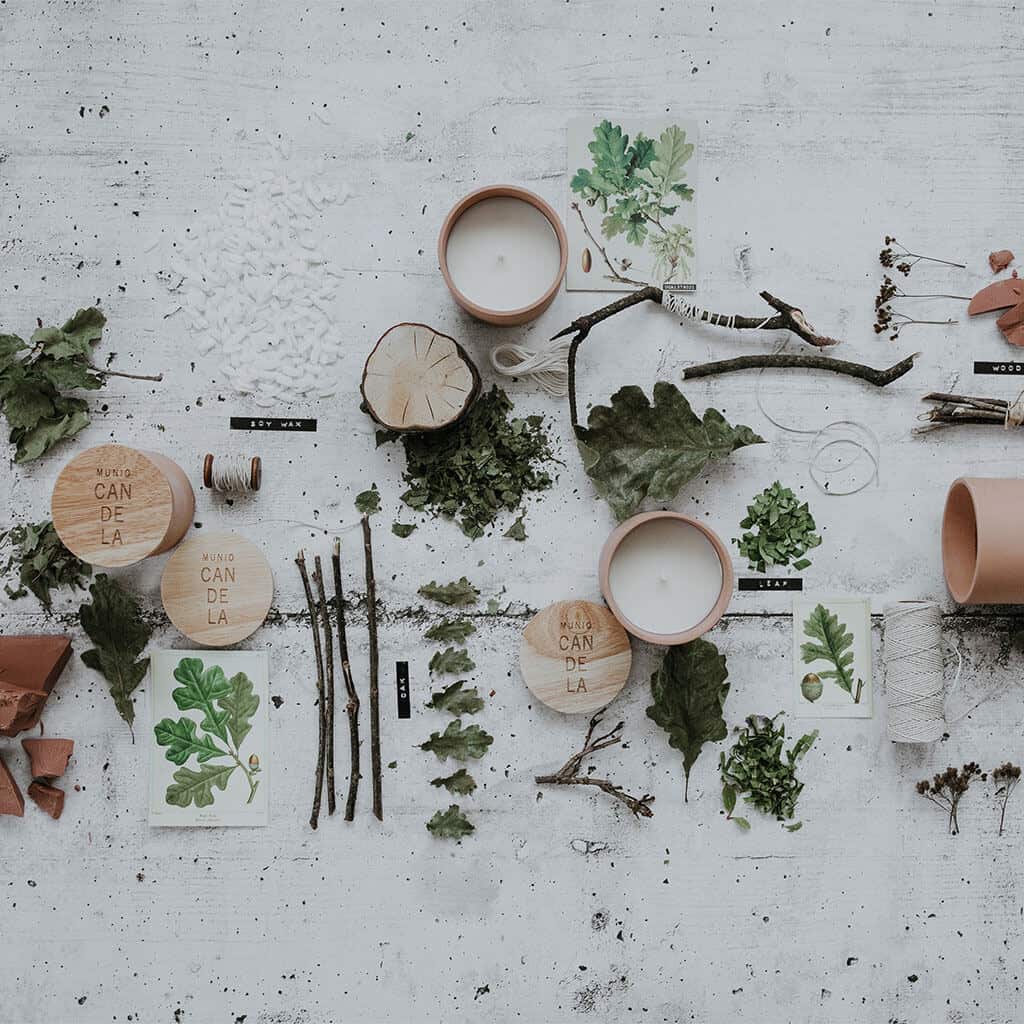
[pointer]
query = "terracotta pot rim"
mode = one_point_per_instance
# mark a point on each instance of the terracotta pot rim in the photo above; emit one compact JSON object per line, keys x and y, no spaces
{"x":503,"y":317}
{"x":611,"y":545}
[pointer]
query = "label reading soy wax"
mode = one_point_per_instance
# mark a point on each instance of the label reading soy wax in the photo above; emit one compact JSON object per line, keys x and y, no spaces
{"x":217,"y":588}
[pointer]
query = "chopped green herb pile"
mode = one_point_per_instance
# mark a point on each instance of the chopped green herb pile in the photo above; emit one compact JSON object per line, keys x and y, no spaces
{"x":762,"y":772}
{"x":479,"y":467}
{"x":34,"y":376}
{"x":42,"y":562}
{"x":779,"y":530}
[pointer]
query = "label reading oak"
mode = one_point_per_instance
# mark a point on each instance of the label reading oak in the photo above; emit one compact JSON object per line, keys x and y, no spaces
{"x":574,"y":656}
{"x":217,"y":588}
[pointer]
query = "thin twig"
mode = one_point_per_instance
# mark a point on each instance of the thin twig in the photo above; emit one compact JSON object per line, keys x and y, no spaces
{"x":951,"y":410}
{"x":129,"y":376}
{"x":314,"y":817}
{"x":371,"y":618}
{"x":569,"y":773}
{"x":318,"y":576}
{"x":352,"y":705}
{"x":782,"y":361}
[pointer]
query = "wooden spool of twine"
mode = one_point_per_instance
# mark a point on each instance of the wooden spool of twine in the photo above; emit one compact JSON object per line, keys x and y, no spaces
{"x":114,"y":505}
{"x":232,"y":475}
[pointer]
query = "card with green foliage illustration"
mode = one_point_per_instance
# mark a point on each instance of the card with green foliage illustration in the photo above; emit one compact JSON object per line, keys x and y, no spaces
{"x":831,"y":676}
{"x":209,"y":756}
{"x":631,"y":217}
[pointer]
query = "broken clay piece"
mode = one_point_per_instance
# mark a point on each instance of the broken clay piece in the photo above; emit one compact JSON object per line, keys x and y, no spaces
{"x":49,"y":756}
{"x":48,"y":798}
{"x":1000,"y":260}
{"x":11,"y":800}
{"x":1000,"y":295}
{"x":29,"y":668}
{"x":1011,"y":323}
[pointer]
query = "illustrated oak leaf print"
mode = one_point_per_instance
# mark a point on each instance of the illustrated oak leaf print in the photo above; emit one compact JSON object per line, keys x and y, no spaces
{"x":200,"y":690}
{"x":240,"y":704}
{"x":196,"y":787}
{"x":181,"y":741}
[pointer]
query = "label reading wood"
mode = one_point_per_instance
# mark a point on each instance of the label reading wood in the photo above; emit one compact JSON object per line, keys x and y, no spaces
{"x":273,"y":423}
{"x":770,"y":583}
{"x":998,"y":369}
{"x":575,"y":656}
{"x":402,"y":684}
{"x":217,"y":588}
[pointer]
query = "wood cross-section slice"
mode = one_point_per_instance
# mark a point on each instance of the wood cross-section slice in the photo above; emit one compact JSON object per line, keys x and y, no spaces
{"x":418,"y":379}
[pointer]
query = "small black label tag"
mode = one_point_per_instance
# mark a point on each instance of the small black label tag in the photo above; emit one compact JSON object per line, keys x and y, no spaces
{"x":272,"y":423}
{"x":402,"y":679}
{"x":998,"y":369}
{"x":771,"y":583}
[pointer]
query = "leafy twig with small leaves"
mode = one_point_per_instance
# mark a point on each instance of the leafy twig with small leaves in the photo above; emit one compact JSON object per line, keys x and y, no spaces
{"x":570,"y":772}
{"x":42,"y":562}
{"x":947,"y":789}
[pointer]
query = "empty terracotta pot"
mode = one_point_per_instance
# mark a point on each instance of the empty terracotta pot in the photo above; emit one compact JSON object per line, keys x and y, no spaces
{"x":983,"y":541}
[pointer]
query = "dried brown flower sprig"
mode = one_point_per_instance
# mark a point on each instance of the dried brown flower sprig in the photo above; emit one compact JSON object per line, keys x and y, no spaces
{"x":1006,"y":777}
{"x":886,"y":318}
{"x":897,"y":255}
{"x":947,"y":789}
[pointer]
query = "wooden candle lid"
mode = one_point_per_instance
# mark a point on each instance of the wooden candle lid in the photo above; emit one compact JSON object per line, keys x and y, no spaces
{"x":217,"y":588}
{"x":114,"y":505}
{"x":575,"y":656}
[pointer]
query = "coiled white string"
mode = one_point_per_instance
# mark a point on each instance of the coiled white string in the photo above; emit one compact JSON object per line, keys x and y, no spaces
{"x":232,"y":474}
{"x":913,"y":657}
{"x":548,"y":365}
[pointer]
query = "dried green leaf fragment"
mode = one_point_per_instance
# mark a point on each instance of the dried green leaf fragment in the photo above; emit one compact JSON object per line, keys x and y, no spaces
{"x":450,"y":824}
{"x":455,"y":700}
{"x":460,"y":782}
{"x":779,"y":529}
{"x":458,"y":592}
{"x":41,"y":561}
{"x":368,"y":502}
{"x":458,"y":743}
{"x":451,"y":661}
{"x":457,"y":630}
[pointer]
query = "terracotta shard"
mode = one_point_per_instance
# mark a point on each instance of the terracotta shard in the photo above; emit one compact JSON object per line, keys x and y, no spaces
{"x":11,"y":800}
{"x":1011,"y":323}
{"x":1000,"y":295}
{"x":1000,"y":260}
{"x":29,"y":668}
{"x":49,"y":756}
{"x":48,"y":798}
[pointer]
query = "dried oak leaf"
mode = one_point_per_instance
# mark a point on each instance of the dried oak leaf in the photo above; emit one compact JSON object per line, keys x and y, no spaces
{"x":455,"y":700}
{"x":450,"y":824}
{"x":634,"y":449}
{"x":458,"y":592}
{"x":460,"y":782}
{"x":462,"y":744}
{"x":456,"y":630}
{"x":689,"y":691}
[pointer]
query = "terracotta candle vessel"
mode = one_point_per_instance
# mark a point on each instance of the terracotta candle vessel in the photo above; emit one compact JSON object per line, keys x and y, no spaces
{"x":666,"y":577}
{"x":983,"y":541}
{"x":503,"y":253}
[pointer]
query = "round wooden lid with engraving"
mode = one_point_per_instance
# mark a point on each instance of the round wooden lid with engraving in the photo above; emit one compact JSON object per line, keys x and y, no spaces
{"x":114,"y":505}
{"x":575,"y":656}
{"x":217,"y":588}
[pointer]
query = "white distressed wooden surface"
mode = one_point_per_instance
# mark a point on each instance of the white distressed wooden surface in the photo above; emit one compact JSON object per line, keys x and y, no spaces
{"x":825,"y":126}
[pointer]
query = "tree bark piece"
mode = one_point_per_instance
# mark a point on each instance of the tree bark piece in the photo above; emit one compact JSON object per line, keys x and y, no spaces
{"x":569,"y":773}
{"x":314,"y":816}
{"x":371,"y":619}
{"x":352,"y":704}
{"x":417,"y":379}
{"x":785,"y":361}
{"x":318,"y":577}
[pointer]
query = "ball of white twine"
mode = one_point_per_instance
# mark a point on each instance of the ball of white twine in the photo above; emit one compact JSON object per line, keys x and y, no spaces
{"x":913,"y":658}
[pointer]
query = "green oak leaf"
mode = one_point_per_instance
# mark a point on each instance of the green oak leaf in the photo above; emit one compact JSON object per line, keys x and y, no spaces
{"x":634,"y":450}
{"x":460,"y":782}
{"x":240,"y":704}
{"x":458,"y":592}
{"x":611,"y":163}
{"x":450,"y":824}
{"x":455,"y":700}
{"x":196,"y":786}
{"x":451,"y":661}
{"x":73,"y":416}
{"x":66,"y":374}
{"x":671,"y":154}
{"x":689,"y":691}
{"x":462,"y":744}
{"x":181,"y":741}
{"x":114,"y":623}
{"x":368,"y":502}
{"x":456,"y":630}
{"x":200,"y":688}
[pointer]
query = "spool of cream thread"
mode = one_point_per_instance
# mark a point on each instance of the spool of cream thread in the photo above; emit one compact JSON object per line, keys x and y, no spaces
{"x":231,"y":479}
{"x":913,"y":658}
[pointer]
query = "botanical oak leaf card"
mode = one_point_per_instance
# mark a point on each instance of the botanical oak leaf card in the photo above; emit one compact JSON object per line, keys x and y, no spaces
{"x":208,"y":740}
{"x":632,"y":215}
{"x":832,"y":657}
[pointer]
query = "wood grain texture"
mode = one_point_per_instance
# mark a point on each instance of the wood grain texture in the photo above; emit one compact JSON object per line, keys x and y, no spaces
{"x":217,"y":588}
{"x":575,"y":656}
{"x":824,"y":127}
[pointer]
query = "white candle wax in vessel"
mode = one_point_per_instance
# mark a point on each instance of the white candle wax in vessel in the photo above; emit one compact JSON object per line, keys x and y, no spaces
{"x":665,"y":576}
{"x":503,"y":254}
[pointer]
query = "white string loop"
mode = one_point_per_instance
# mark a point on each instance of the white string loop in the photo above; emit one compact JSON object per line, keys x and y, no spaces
{"x":548,"y":365}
